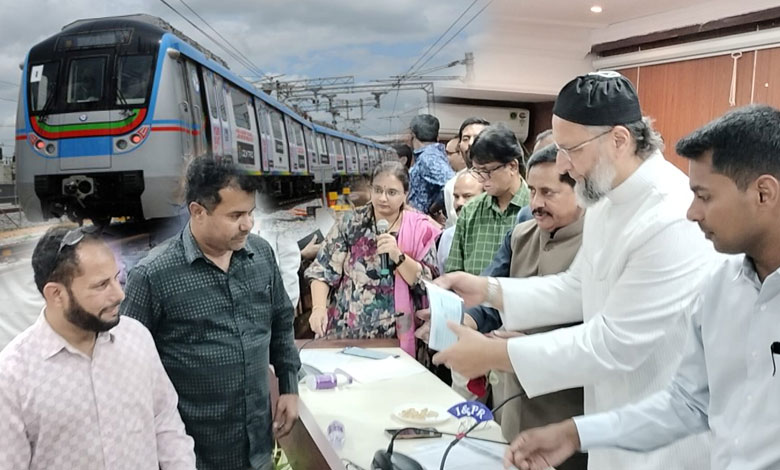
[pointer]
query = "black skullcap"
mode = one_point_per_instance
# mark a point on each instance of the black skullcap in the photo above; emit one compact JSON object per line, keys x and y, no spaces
{"x":598,"y":99}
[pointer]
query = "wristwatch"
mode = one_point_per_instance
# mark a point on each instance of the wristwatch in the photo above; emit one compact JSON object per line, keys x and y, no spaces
{"x":401,"y":259}
{"x":493,"y":291}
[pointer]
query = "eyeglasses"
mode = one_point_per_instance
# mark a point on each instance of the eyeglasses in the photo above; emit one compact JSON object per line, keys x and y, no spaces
{"x":568,"y":151}
{"x":390,"y":192}
{"x":484,"y":175}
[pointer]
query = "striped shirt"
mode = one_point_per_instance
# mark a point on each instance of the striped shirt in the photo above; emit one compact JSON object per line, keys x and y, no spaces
{"x":480,"y":229}
{"x":216,"y":333}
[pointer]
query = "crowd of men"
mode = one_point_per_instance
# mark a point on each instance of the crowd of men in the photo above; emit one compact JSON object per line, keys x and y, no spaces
{"x":629,"y":305}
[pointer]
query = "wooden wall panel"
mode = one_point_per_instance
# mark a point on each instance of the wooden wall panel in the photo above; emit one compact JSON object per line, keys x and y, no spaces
{"x":682,"y":96}
{"x":632,"y":74}
{"x":541,"y":120}
{"x":767,"y":82}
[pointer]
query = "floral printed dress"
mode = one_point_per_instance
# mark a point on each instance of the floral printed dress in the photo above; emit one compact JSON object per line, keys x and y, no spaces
{"x":361,"y":303}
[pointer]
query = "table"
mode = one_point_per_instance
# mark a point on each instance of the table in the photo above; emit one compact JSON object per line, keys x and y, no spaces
{"x":365,"y":410}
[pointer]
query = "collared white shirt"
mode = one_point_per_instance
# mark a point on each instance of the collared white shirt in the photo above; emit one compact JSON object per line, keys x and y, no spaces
{"x":449,"y":199}
{"x":726,"y":381}
{"x":61,"y":409}
{"x":633,"y":284}
{"x":443,"y":250}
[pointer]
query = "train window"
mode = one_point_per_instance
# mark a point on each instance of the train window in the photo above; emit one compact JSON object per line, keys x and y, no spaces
{"x":240,"y":108}
{"x":85,"y":80}
{"x":133,"y":76}
{"x":43,"y":81}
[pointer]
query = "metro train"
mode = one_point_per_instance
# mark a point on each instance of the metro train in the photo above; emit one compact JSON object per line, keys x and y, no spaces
{"x":112,"y":109}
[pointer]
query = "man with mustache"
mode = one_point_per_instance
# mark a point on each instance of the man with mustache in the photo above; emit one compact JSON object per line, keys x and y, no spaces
{"x":79,"y":388}
{"x":215,"y":303}
{"x":633,"y":283}
{"x":727,"y":381}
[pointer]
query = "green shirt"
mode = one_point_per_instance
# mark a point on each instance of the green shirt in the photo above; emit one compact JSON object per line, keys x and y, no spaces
{"x":216,"y":333}
{"x":480,"y":229}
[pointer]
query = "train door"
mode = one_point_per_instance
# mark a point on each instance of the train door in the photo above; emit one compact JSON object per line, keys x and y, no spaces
{"x":296,"y":145}
{"x":311,"y":147}
{"x":336,"y":149}
{"x":224,"y":105}
{"x":87,"y":79}
{"x":184,"y":109}
{"x":363,"y":159}
{"x":322,"y":150}
{"x":196,"y":108}
{"x":246,"y":141}
{"x":266,"y":137}
{"x":209,"y":81}
{"x":281,"y":161}
{"x":350,"y":153}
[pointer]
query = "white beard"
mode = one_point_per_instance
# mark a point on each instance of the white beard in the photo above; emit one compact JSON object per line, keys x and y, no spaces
{"x":593,"y":187}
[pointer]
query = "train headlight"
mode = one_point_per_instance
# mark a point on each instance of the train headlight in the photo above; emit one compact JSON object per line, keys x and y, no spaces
{"x":121,"y":144}
{"x":40,"y":145}
{"x":50,"y":149}
{"x":135,"y":138}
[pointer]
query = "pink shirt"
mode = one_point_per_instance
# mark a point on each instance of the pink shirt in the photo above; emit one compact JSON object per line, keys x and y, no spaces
{"x":60,"y":409}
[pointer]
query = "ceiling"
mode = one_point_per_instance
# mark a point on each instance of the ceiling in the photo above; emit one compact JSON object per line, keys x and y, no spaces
{"x":577,"y":12}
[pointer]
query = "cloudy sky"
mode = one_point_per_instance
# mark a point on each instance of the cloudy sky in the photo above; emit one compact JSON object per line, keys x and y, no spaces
{"x":300,"y":38}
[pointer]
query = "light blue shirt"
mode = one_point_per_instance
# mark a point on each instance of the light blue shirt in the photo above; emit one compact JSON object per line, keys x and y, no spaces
{"x":725,"y":382}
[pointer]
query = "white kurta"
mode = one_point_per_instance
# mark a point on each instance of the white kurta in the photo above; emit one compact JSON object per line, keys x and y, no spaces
{"x":633,"y":284}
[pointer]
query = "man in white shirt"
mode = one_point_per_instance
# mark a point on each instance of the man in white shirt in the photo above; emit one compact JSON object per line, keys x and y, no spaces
{"x":80,"y":389}
{"x":466,"y":188}
{"x":632,"y":283}
{"x":728,"y":380}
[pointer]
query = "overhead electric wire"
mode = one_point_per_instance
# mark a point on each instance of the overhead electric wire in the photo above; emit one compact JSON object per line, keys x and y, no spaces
{"x":452,"y":25}
{"x":247,"y":59}
{"x":248,"y":66}
{"x":452,"y":37}
{"x":410,"y":71}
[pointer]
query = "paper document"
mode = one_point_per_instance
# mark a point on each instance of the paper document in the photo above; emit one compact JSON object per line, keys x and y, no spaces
{"x":328,"y":360}
{"x":466,"y":455}
{"x":445,"y":305}
{"x":371,"y":370}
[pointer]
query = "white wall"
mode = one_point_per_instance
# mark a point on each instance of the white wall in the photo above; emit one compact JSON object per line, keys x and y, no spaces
{"x":517,"y":56}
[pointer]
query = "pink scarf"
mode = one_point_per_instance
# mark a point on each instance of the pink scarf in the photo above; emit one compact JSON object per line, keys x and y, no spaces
{"x":415,"y":237}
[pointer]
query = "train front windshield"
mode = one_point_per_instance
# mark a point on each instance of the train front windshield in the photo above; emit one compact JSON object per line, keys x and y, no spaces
{"x":91,"y":72}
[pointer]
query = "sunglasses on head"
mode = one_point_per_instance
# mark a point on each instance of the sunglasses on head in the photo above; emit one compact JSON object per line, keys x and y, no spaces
{"x":74,"y":237}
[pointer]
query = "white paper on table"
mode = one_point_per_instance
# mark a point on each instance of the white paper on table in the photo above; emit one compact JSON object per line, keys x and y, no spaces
{"x":445,"y":305}
{"x":375,"y":370}
{"x":468,"y":454}
{"x":328,"y":360}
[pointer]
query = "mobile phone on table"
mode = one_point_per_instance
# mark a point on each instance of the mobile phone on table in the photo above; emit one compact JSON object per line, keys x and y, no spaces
{"x":417,"y":433}
{"x":366,"y":353}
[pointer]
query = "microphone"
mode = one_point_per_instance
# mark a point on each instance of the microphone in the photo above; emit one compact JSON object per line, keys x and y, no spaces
{"x":387,"y":460}
{"x":382,"y":226}
{"x":461,"y":436}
